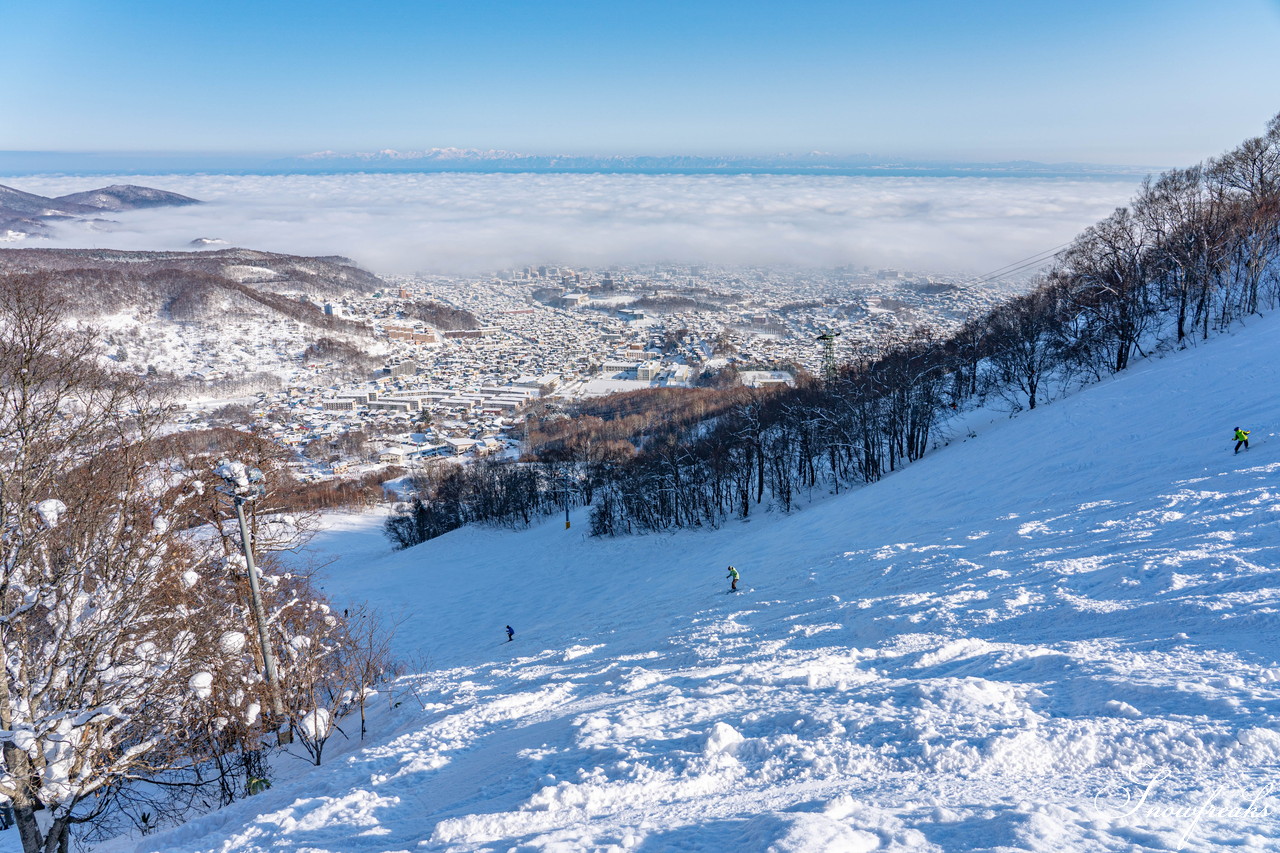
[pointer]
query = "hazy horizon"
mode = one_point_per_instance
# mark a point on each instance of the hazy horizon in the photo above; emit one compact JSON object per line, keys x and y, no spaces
{"x":476,"y":223}
{"x":21,"y":165}
{"x":390,"y":153}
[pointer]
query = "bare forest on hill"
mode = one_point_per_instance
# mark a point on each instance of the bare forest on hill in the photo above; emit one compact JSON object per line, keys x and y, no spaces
{"x":444,"y":317}
{"x":193,"y":286}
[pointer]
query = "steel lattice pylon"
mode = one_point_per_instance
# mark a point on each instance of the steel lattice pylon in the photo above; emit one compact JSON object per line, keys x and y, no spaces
{"x":828,"y":339}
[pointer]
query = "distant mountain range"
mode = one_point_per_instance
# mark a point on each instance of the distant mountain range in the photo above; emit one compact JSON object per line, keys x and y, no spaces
{"x":812,"y":163}
{"x":28,"y":214}
{"x":501,"y":161}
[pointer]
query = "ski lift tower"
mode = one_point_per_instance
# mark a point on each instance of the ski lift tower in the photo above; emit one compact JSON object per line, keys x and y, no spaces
{"x":828,"y":339}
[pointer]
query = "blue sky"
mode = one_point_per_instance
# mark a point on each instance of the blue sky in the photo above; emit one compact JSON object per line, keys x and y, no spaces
{"x":1153,"y":82}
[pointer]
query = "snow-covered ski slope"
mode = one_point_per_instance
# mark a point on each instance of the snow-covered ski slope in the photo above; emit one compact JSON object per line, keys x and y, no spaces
{"x":1061,"y":635}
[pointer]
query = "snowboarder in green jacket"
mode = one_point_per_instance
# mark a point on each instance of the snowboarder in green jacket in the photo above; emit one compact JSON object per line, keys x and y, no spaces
{"x":733,"y":573}
{"x":1242,"y":437}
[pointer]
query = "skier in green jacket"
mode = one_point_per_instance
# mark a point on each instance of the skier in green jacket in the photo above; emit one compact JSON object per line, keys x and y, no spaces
{"x":733,"y":573}
{"x":1242,"y":437}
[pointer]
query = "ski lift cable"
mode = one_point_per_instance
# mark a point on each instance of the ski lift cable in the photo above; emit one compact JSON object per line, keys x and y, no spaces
{"x":1018,"y":266}
{"x":1037,"y":255}
{"x":1013,"y":271}
{"x":1032,"y":264}
{"x":1008,"y":269}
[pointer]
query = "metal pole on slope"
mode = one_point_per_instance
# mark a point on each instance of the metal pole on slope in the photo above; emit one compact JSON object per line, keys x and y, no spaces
{"x":244,"y":485}
{"x":564,"y":481}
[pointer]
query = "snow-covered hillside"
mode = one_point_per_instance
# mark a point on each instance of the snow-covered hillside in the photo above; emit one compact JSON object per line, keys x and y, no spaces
{"x":228,"y":322}
{"x":1058,"y":635}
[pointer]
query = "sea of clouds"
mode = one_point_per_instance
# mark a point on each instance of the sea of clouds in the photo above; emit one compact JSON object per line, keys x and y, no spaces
{"x":472,"y":223}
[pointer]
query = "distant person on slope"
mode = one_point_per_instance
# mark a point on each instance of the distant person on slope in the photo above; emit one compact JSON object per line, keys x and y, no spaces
{"x":511,"y":633}
{"x":1242,"y":437}
{"x":733,"y":573}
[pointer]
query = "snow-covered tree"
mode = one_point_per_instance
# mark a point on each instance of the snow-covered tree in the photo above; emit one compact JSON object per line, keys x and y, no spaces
{"x":106,"y":650}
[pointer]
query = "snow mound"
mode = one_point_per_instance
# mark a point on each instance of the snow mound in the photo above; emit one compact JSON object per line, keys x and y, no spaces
{"x":201,"y":685}
{"x":724,"y":738}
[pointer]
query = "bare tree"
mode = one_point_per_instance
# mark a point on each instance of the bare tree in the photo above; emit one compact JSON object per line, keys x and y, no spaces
{"x":1248,"y":180}
{"x":1105,"y":280}
{"x":1023,"y":345}
{"x":366,"y":656}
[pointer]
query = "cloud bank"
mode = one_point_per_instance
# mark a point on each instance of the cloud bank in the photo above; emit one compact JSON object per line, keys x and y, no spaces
{"x":402,"y":223}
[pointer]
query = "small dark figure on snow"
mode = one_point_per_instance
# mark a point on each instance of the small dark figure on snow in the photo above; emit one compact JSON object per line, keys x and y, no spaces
{"x":511,"y":633}
{"x":733,"y":573}
{"x":1241,"y":437}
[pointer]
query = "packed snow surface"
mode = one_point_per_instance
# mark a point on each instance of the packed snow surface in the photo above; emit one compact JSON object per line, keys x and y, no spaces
{"x":1058,"y":635}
